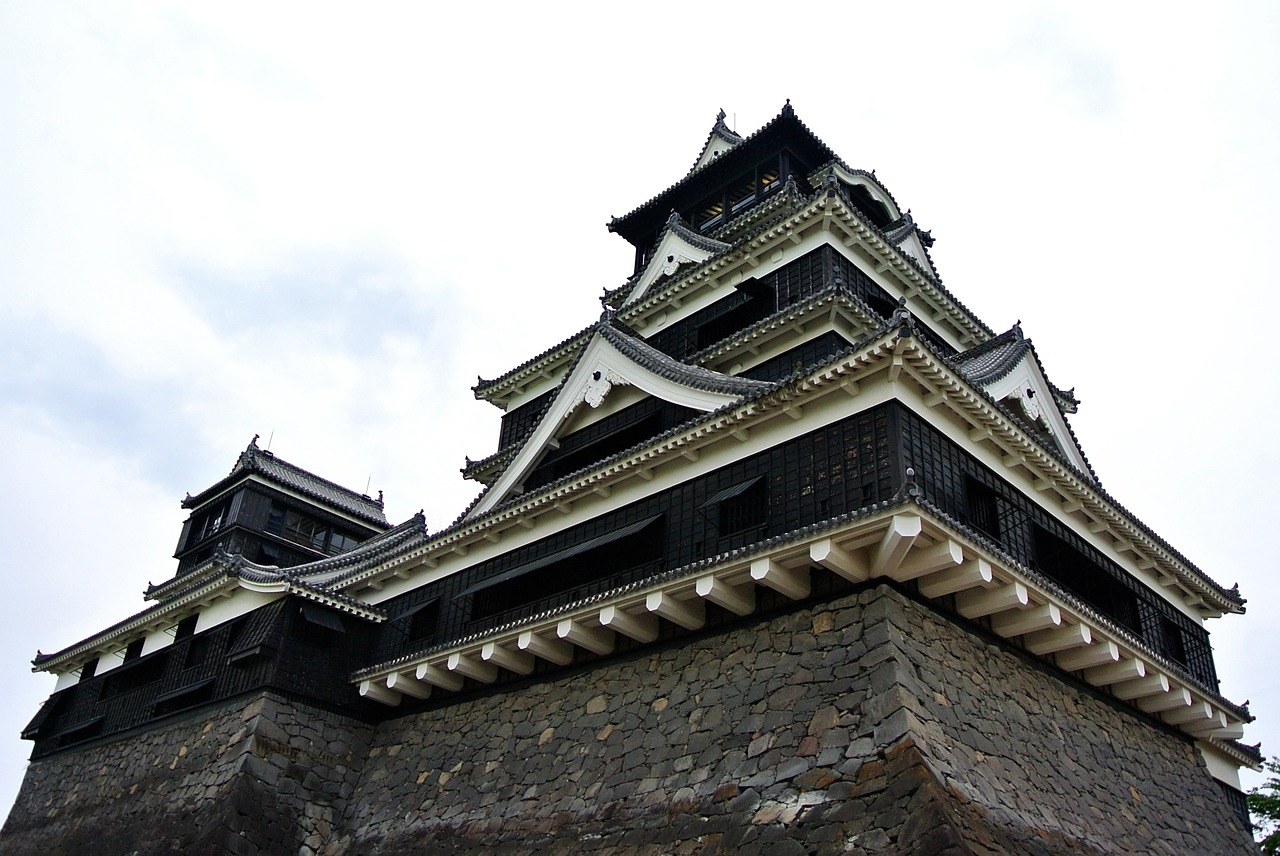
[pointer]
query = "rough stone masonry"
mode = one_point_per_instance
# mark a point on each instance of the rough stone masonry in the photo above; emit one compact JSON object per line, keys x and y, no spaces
{"x":869,"y":724}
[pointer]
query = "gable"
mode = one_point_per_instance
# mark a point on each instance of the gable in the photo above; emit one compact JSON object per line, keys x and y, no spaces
{"x":679,"y":246}
{"x":1006,"y":368}
{"x":613,"y":360}
{"x":719,"y":141}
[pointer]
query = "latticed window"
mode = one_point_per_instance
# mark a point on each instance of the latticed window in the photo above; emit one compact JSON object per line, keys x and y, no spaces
{"x":982,"y":507}
{"x":308,"y":531}
{"x":741,"y":507}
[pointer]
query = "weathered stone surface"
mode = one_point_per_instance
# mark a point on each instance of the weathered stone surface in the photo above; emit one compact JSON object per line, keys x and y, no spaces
{"x":867,"y":725}
{"x":239,"y":779}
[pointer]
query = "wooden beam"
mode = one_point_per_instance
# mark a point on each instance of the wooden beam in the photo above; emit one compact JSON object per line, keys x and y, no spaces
{"x":408,"y":685}
{"x":1098,"y":654}
{"x":376,"y":690}
{"x":689,"y":614}
{"x":1231,"y":731}
{"x":442,"y":678}
{"x":1197,"y":711}
{"x":976,"y":603}
{"x":839,"y":560}
{"x":551,"y":650}
{"x":595,"y":639}
{"x":1113,"y":673}
{"x":1058,"y":639}
{"x":513,"y":661}
{"x":852,"y":387}
{"x":793,"y":583}
{"x":642,"y":628}
{"x":1154,"y":684}
{"x":941,"y":556}
{"x":1021,"y":621}
{"x":465,"y":664}
{"x":895,"y":544}
{"x":740,"y":600}
{"x":1175,"y":698}
{"x":976,"y":572}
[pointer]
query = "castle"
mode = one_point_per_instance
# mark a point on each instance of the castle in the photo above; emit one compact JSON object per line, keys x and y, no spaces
{"x":787,"y":552}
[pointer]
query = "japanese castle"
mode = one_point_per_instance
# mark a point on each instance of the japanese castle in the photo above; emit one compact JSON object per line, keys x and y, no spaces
{"x":813,"y":548}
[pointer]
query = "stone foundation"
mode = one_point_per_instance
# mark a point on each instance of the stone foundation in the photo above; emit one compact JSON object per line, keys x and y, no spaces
{"x":870,"y":724}
{"x":257,"y":776}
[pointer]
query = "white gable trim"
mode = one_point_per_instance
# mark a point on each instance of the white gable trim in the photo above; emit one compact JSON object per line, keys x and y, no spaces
{"x":873,"y":187}
{"x":716,"y":146}
{"x":1027,"y":384}
{"x":911,"y":246}
{"x":672,"y":252}
{"x":601,"y":368}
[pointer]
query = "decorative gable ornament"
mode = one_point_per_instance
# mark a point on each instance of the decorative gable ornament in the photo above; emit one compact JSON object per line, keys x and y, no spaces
{"x":598,"y":385}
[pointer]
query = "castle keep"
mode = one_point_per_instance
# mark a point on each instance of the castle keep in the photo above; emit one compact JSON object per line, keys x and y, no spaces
{"x":787,"y":552}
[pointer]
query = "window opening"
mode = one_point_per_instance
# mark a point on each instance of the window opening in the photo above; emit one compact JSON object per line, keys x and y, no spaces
{"x":982,"y":507}
{"x":740,"y":507}
{"x":605,"y":557}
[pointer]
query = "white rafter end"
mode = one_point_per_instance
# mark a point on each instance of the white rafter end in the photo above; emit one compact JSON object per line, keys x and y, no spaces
{"x":689,"y":614}
{"x":740,"y":600}
{"x":792,"y":583}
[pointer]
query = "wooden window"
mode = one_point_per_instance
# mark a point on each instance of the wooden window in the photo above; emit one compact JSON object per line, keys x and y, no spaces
{"x":982,"y":507}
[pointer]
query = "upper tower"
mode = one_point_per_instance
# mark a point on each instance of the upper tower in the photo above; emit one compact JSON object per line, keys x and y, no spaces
{"x":275,"y":513}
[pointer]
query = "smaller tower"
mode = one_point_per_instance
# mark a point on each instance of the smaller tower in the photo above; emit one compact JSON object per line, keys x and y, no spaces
{"x":274,"y":513}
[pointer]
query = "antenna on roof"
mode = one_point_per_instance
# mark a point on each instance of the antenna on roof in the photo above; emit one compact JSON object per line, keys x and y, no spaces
{"x":270,"y":437}
{"x":735,"y":123}
{"x":368,"y":482}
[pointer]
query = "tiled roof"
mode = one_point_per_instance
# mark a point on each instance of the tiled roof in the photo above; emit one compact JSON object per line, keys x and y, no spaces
{"x":993,"y":359}
{"x":697,"y":239}
{"x":264,"y":463}
{"x":644,"y":354}
{"x":482,"y":387}
{"x":720,"y":130}
{"x":407,"y":535}
{"x":675,"y":224}
{"x":787,"y":114}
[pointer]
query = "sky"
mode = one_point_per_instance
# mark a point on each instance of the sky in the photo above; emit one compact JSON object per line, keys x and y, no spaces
{"x":320,"y":224}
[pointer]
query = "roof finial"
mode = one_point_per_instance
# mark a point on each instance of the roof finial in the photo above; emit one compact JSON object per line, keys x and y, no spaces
{"x":253,"y":444}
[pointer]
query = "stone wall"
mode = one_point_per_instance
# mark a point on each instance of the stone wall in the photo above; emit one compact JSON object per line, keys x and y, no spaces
{"x":260,"y":775}
{"x":870,"y":724}
{"x":866,"y":725}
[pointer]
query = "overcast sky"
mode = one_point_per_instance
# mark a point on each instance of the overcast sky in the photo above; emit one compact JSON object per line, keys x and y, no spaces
{"x":320,"y":224}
